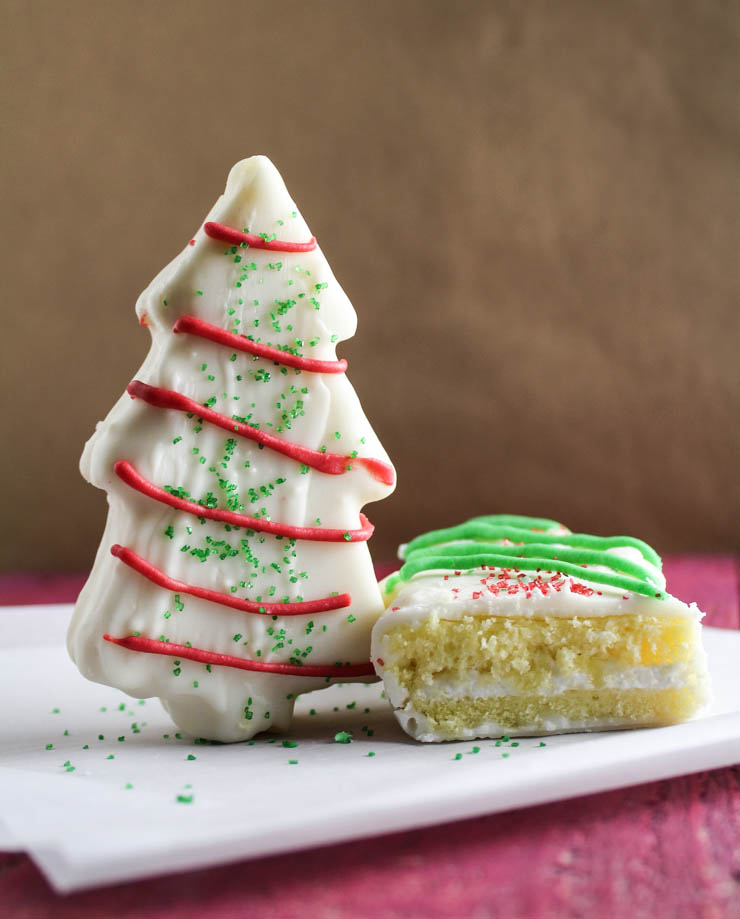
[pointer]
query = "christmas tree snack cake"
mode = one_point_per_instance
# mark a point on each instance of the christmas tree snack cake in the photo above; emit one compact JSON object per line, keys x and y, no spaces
{"x":514,"y":625}
{"x":234,"y":573}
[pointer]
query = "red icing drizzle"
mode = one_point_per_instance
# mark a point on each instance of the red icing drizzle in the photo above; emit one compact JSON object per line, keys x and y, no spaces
{"x":153,"y":646}
{"x":330,"y":463}
{"x":230,"y":235}
{"x":145,"y":568}
{"x":195,"y":326}
{"x":128,"y":474}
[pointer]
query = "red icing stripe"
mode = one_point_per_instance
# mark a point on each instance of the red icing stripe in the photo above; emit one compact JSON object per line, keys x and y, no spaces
{"x":195,"y":326}
{"x":128,"y":474}
{"x":230,"y":235}
{"x":330,"y":463}
{"x":153,"y":646}
{"x":145,"y":568}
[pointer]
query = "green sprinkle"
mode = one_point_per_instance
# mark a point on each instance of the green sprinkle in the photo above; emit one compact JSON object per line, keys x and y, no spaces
{"x":50,"y":746}
{"x":185,"y":799}
{"x":110,"y":756}
{"x":342,"y":737}
{"x":371,"y":753}
{"x":458,"y":756}
{"x":475,"y":750}
{"x":290,"y":743}
{"x":128,"y":785}
{"x":542,"y":743}
{"x":292,"y":762}
{"x":190,"y":757}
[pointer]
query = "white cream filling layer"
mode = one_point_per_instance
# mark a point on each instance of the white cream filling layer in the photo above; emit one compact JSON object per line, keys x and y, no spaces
{"x":670,"y":676}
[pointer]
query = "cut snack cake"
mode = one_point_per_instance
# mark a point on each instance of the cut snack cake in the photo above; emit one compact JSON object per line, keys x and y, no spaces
{"x":514,"y":625}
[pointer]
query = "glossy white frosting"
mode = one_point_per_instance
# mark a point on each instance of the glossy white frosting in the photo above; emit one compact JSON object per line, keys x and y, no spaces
{"x":451,"y":596}
{"x":281,"y":298}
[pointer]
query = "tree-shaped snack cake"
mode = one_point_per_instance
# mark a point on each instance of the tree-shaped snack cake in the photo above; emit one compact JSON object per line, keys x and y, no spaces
{"x":233,"y":573}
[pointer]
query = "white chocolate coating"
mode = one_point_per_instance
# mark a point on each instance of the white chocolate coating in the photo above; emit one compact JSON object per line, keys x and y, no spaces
{"x":467,"y":594}
{"x":280,"y":299}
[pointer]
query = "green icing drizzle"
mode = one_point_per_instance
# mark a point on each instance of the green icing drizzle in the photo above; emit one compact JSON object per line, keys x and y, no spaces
{"x":487,"y":542}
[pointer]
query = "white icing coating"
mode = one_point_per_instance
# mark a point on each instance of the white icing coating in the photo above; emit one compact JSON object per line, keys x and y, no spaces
{"x":453,"y":596}
{"x":278,"y":298}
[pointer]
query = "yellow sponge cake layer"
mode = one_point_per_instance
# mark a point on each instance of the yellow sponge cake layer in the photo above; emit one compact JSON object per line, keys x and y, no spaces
{"x":477,"y":675}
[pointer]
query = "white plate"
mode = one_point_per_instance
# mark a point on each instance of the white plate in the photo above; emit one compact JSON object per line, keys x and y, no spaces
{"x":85,"y":826}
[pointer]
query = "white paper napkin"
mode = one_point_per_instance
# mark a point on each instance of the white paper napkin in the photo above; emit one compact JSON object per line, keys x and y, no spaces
{"x":98,"y":787}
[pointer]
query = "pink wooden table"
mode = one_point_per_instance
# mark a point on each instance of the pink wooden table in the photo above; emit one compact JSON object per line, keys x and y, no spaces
{"x":668,"y":849}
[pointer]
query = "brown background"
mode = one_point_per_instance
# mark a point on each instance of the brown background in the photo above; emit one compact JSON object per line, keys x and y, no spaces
{"x":533,"y":206}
